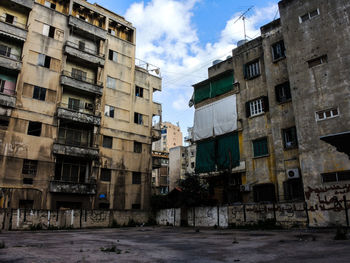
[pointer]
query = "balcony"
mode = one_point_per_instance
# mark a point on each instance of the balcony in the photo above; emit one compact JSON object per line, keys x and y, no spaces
{"x":85,"y":54}
{"x":15,"y":30}
{"x":10,"y":61}
{"x":82,"y":83}
{"x":156,"y":163}
{"x":156,"y":132}
{"x":156,"y":109}
{"x":73,"y":188}
{"x":7,"y":100}
{"x":77,"y":151}
{"x":87,"y":28}
{"x":78,"y":114}
{"x":25,"y":3}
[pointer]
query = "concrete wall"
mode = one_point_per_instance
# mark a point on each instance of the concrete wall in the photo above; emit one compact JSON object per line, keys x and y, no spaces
{"x":170,"y":216}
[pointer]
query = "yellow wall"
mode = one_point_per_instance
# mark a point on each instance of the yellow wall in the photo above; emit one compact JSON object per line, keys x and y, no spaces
{"x":89,"y":72}
{"x":20,"y":17}
{"x":59,"y":7}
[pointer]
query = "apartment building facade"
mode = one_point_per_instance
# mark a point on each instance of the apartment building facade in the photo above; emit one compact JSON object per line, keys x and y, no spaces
{"x":76,"y":108}
{"x":291,"y":113}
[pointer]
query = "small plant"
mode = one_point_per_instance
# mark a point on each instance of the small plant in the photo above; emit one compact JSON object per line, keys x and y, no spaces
{"x":112,"y":249}
{"x":2,"y":244}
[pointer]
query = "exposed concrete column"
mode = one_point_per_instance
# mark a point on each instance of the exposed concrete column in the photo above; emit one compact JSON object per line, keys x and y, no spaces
{"x":70,"y":7}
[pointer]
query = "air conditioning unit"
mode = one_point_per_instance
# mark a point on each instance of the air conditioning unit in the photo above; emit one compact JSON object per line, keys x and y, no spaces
{"x":293,"y":173}
{"x":245,"y":188}
{"x":89,"y":106}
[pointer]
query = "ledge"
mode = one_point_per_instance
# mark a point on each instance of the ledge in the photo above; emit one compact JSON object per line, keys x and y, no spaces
{"x":83,"y":55}
{"x":26,"y":3}
{"x":13,"y":31}
{"x":82,"y":152}
{"x":73,"y":188}
{"x":81,"y":85}
{"x":88,"y":28}
{"x":10,"y":63}
{"x":7,"y":100}
{"x":78,"y":116}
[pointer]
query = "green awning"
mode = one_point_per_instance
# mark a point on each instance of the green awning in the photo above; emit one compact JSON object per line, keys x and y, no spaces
{"x":202,"y":93}
{"x":221,"y":86}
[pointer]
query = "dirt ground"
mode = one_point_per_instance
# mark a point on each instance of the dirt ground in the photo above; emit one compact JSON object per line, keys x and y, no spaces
{"x":168,"y":244}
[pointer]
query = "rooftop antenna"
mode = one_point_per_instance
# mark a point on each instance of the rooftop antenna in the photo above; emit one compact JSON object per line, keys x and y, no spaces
{"x":243,"y":17}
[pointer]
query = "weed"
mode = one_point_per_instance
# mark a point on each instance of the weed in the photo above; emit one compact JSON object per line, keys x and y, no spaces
{"x":113,"y":249}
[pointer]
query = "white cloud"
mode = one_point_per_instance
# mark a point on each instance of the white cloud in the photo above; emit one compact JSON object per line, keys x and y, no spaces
{"x":166,"y":37}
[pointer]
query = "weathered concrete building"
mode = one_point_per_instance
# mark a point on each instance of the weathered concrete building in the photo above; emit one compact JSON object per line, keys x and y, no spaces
{"x":291,"y":113}
{"x":76,"y":110}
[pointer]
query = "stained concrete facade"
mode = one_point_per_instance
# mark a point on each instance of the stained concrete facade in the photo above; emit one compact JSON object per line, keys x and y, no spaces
{"x":75,"y":130}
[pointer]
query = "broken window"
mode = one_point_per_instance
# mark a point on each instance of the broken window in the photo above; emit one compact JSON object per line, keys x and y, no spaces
{"x":109,"y":111}
{"x":50,"y":5}
{"x":71,"y":170}
{"x":327,"y":114}
{"x":107,"y":142}
{"x":111,"y":83}
{"x":79,"y":74}
{"x":260,"y":147}
{"x":290,"y":138}
{"x":282,"y":92}
{"x":9,"y":19}
{"x":49,"y":31}
{"x":29,"y":167}
{"x":138,"y":118}
{"x":106,"y":175}
{"x":137,"y":147}
{"x":264,"y":193}
{"x":44,"y":61}
{"x":34,"y":128}
{"x":73,"y":104}
{"x":252,"y":69}
{"x":113,"y":55}
{"x":39,"y":93}
{"x":309,"y":15}
{"x":336,"y":176}
{"x":138,"y":91}
{"x":257,"y":107}
{"x":278,"y":50}
{"x":317,"y":61}
{"x":136,"y":178}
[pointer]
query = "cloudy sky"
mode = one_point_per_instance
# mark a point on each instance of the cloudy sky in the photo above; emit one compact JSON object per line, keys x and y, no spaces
{"x":183,"y":37}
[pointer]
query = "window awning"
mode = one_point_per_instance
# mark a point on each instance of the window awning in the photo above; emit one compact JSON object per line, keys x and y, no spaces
{"x":12,"y":36}
{"x":341,"y":141}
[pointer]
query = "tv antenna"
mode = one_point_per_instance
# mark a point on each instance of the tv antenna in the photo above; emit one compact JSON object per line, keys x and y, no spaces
{"x":243,"y":17}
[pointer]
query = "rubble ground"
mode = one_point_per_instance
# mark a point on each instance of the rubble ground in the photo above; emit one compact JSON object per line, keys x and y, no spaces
{"x":169,"y":244}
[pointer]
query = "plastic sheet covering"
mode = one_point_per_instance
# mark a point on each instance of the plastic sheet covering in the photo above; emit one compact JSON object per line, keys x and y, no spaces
{"x":216,"y":118}
{"x":205,"y":156}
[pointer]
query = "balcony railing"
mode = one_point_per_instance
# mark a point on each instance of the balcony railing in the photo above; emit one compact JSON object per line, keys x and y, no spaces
{"x":75,"y":137}
{"x":14,"y":23}
{"x":73,"y":187}
{"x":80,"y":77}
{"x":85,"y":49}
{"x":83,"y":107}
{"x":9,"y":54}
{"x":151,"y":69}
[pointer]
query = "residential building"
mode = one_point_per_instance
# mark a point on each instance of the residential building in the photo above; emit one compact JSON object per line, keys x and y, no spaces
{"x":287,"y":137}
{"x":76,"y":108}
{"x":171,"y":137}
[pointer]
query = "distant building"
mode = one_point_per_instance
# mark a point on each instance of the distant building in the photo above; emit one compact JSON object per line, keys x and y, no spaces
{"x":171,"y":137}
{"x":272,"y":122}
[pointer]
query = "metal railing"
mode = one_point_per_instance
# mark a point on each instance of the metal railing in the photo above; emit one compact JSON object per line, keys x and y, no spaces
{"x":14,"y":23}
{"x":85,"y":49}
{"x":151,"y":69}
{"x":75,"y":137}
{"x":81,"y":78}
{"x":83,"y":107}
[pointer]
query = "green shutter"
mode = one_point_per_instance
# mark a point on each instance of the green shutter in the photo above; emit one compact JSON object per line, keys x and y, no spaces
{"x":228,"y":151}
{"x":202,"y":93}
{"x":205,"y":156}
{"x":221,"y":86}
{"x":260,"y":147}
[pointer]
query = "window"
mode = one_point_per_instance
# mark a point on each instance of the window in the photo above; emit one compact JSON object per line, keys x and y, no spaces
{"x":34,"y":128}
{"x":252,"y":70}
{"x":317,"y":61}
{"x":138,"y":118}
{"x":74,"y":134}
{"x":4,"y":122}
{"x":109,"y":111}
{"x":9,"y":19}
{"x":50,"y":5}
{"x":293,"y":189}
{"x":82,"y":17}
{"x":136,"y":178}
{"x":73,"y":104}
{"x":257,"y":107}
{"x":138,"y":91}
{"x":5,"y":51}
{"x":309,"y":15}
{"x":71,"y":170}
{"x":136,"y":206}
{"x":49,"y":31}
{"x":278,"y":50}
{"x":27,"y":180}
{"x":260,"y":147}
{"x":107,"y":142}
{"x":44,"y":61}
{"x":29,"y":167}
{"x":81,"y":45}
{"x":106,"y":175}
{"x":111,"y":31}
{"x":327,"y":114}
{"x":264,"y":193}
{"x":2,"y":85}
{"x":79,"y":74}
{"x":39,"y":93}
{"x":111,"y":83}
{"x":113,"y":55}
{"x":137,"y":147}
{"x":336,"y":176}
{"x":290,"y":138}
{"x":282,"y":92}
